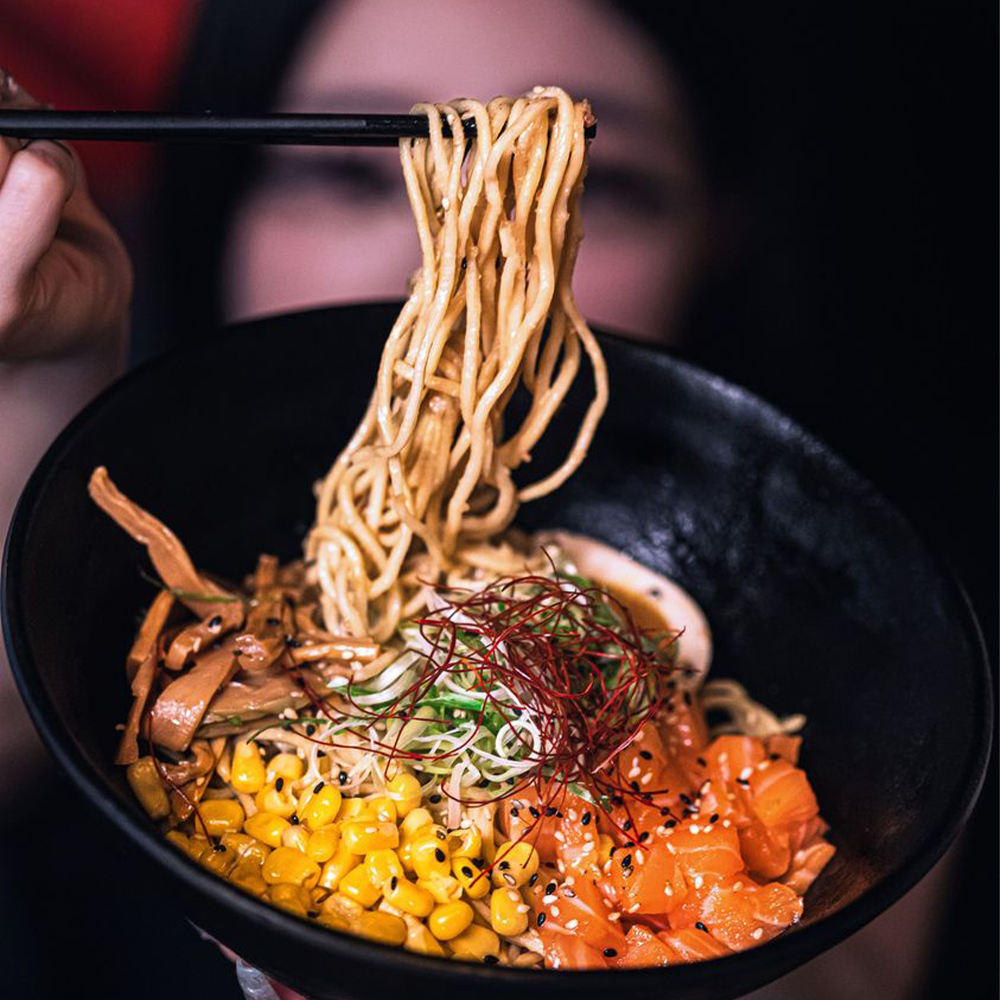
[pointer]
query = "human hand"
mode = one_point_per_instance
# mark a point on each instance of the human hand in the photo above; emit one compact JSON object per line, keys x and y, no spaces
{"x":65,"y":277}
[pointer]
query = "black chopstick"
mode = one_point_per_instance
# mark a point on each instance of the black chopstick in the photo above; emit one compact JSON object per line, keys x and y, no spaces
{"x":284,"y":129}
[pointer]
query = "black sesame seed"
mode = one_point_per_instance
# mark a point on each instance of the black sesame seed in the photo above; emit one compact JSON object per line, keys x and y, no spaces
{"x":630,"y":843}
{"x":702,"y":761}
{"x":504,"y":866}
{"x":616,"y":800}
{"x":272,"y":621}
{"x":533,"y":879}
{"x":541,"y":919}
{"x":685,"y":812}
{"x":645,"y":755}
{"x":467,"y":871}
{"x":714,"y":818}
{"x":627,"y":825}
{"x":627,"y":861}
{"x":551,"y":811}
{"x":479,"y":863}
{"x":664,"y":812}
{"x":585,"y":818}
{"x":310,"y":729}
{"x":515,"y":812}
{"x":670,"y":823}
{"x":440,"y":834}
{"x":701,"y":927}
{"x":279,"y":784}
{"x":292,"y":642}
{"x":215,"y":622}
{"x":439,"y":854}
{"x":634,"y":785}
{"x":687,"y":697}
{"x":342,"y":777}
{"x":743,"y":782}
{"x":685,"y":799}
{"x":644,"y":836}
{"x":312,"y":913}
{"x":773,"y":756}
{"x":465,"y":263}
{"x":320,"y":753}
{"x":490,"y":960}
{"x":435,"y":798}
{"x":610,"y":952}
{"x":534,"y":812}
{"x":294,"y":819}
{"x":611,"y":853}
{"x":393,"y":882}
{"x":219,"y":848}
{"x":550,"y":888}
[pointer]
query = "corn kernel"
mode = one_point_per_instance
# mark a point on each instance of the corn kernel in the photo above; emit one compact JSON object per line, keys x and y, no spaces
{"x":337,"y":867}
{"x":277,"y":798}
{"x":323,"y":844}
{"x":247,"y":848}
{"x":198,"y":847}
{"x":383,"y":865}
{"x":384,"y":927}
{"x":410,"y":898}
{"x":355,"y":809}
{"x":286,"y":864}
{"x":222,"y":816}
{"x":318,"y":809}
{"x":342,"y":906}
{"x":266,"y":827}
{"x":405,"y":854}
{"x":285,"y":765}
{"x":415,"y":820}
{"x":358,"y":886}
{"x":292,"y":897}
{"x":420,"y":940}
{"x":334,"y":921}
{"x":508,"y":912}
{"x":430,"y":855}
{"x":219,"y":859}
{"x":475,"y":943}
{"x":247,"y":772}
{"x":475,"y":882}
{"x":295,"y":836}
{"x":466,"y":843}
{"x":145,"y":783}
{"x":443,"y":888}
{"x":179,"y":840}
{"x":515,"y":863}
{"x":362,"y":836}
{"x":384,"y":808}
{"x":448,"y":921}
{"x":247,"y":876}
{"x":404,"y":790}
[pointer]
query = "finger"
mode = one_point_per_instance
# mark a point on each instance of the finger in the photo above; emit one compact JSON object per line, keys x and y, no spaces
{"x":39,"y":180}
{"x":13,"y":97}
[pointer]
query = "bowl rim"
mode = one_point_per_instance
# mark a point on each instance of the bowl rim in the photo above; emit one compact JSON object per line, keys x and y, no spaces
{"x":783,"y":953}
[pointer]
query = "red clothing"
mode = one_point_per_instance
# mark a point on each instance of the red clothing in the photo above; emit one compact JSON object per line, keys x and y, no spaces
{"x":112,"y":54}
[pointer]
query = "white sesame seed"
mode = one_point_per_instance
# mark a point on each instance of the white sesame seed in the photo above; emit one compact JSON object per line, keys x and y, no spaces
{"x":523,"y":908}
{"x":698,"y":881}
{"x":572,"y":924}
{"x":667,"y":891}
{"x":737,"y":886}
{"x":646,"y":778}
{"x":660,"y":831}
{"x":570,"y":880}
{"x":554,"y":911}
{"x":746,"y":772}
{"x":550,"y":898}
{"x":757,"y":934}
{"x":633,"y":907}
{"x":572,"y":815}
{"x":635,"y":772}
{"x":513,"y":896}
{"x":708,"y":829}
{"x":606,"y":902}
{"x":723,"y":757}
{"x":671,"y":848}
{"x":560,"y":836}
{"x":640,"y":858}
{"x":695,"y":828}
{"x":727,"y":823}
{"x":614,"y":916}
{"x":561,"y":868}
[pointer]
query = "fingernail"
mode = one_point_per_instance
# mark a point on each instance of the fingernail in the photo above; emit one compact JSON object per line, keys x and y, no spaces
{"x":8,"y":85}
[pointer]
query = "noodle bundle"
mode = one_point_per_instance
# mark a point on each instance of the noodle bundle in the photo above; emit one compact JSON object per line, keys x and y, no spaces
{"x":426,"y":480}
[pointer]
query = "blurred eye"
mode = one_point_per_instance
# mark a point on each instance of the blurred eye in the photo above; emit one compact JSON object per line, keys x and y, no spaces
{"x":623,"y":190}
{"x":344,"y":176}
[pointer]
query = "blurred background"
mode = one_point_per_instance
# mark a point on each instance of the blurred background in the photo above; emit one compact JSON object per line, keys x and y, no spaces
{"x":799,"y":197}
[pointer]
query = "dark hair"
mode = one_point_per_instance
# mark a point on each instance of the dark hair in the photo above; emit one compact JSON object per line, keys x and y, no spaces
{"x":239,"y":54}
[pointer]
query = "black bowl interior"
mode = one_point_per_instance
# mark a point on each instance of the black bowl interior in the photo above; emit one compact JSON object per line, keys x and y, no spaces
{"x":821,"y":598}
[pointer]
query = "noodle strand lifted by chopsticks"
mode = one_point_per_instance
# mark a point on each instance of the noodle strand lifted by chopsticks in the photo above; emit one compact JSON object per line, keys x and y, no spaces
{"x":426,"y":480}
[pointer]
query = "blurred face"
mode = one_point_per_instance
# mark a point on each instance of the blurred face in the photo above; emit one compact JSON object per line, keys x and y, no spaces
{"x":325,"y":225}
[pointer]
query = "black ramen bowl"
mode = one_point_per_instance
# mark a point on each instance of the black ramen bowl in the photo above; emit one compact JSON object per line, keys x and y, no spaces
{"x":821,"y":598}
